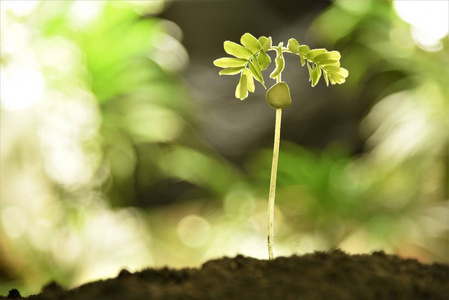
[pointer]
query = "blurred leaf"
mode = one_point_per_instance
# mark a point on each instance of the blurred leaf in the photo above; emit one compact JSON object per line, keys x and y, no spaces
{"x":250,"y":42}
{"x":237,"y":50}
{"x":231,"y":71}
{"x":228,"y":62}
{"x":108,"y":62}
{"x":199,"y":168}
{"x":339,"y":20}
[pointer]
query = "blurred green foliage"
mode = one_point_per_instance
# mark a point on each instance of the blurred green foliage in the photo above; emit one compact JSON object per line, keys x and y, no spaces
{"x":107,"y":168}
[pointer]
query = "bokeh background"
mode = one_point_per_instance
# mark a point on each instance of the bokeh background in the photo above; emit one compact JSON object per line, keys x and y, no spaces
{"x":122,"y":147}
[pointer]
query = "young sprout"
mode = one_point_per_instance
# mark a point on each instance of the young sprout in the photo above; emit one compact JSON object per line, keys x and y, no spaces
{"x":250,"y":59}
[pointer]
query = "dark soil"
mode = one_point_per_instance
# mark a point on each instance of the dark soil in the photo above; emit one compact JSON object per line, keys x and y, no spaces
{"x":321,"y":275}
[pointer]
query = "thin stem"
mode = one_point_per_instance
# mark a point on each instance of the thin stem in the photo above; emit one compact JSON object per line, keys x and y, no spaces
{"x":272,"y":194}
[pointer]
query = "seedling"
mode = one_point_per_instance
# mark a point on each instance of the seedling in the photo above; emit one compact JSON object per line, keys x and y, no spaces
{"x":250,"y":59}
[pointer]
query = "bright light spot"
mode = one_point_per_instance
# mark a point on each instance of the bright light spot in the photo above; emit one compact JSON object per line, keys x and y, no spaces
{"x":172,"y":29}
{"x":357,"y":242}
{"x":68,"y":121}
{"x":20,"y":8}
{"x":169,"y":53}
{"x":148,"y":7}
{"x":253,"y":246}
{"x":21,"y":87}
{"x":108,"y":241}
{"x":404,"y":127}
{"x":66,"y":247}
{"x":193,"y":231}
{"x":66,"y":164}
{"x":239,"y":203}
{"x":429,"y":21}
{"x":15,"y":38}
{"x":40,"y":233}
{"x":406,"y":124}
{"x":61,"y":55}
{"x":84,"y":13}
{"x":14,"y":221}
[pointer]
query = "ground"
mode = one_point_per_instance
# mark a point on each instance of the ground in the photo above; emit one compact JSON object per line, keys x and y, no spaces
{"x":320,"y":275}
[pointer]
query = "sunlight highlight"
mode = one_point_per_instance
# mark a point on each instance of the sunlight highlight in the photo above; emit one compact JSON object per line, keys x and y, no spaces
{"x":429,"y":21}
{"x":22,"y":87}
{"x":193,"y":231}
{"x":20,"y":8}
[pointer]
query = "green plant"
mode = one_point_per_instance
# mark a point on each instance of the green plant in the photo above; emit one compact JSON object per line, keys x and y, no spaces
{"x":250,"y":59}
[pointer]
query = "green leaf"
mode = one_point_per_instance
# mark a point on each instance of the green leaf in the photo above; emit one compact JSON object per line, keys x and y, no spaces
{"x":249,"y":81}
{"x":250,"y":42}
{"x":262,"y":40}
{"x":314,"y":53}
{"x":280,"y":62}
{"x":303,"y":61}
{"x":325,"y":78}
{"x":266,"y":44}
{"x":255,"y":70}
{"x":336,"y":78}
{"x":310,"y":71}
{"x":264,"y":60}
{"x":333,"y":55}
{"x":337,"y":70}
{"x":316,"y":74}
{"x":304,"y":49}
{"x":278,"y":96}
{"x":279,"y":67}
{"x":330,"y":62}
{"x":343,"y":72}
{"x":229,"y":62}
{"x":231,"y":71}
{"x":293,"y":46}
{"x":241,"y":92}
{"x":237,"y":50}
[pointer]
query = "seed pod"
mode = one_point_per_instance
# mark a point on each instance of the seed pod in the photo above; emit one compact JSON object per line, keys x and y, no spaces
{"x":278,"y":96}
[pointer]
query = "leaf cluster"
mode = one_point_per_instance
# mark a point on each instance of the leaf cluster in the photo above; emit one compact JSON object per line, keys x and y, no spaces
{"x":250,"y":58}
{"x":320,"y":62}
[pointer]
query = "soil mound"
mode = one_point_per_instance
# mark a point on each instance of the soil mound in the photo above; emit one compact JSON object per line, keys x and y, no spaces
{"x":321,"y":275}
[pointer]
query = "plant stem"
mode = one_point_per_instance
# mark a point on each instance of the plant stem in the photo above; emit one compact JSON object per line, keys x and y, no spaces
{"x":272,"y":194}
